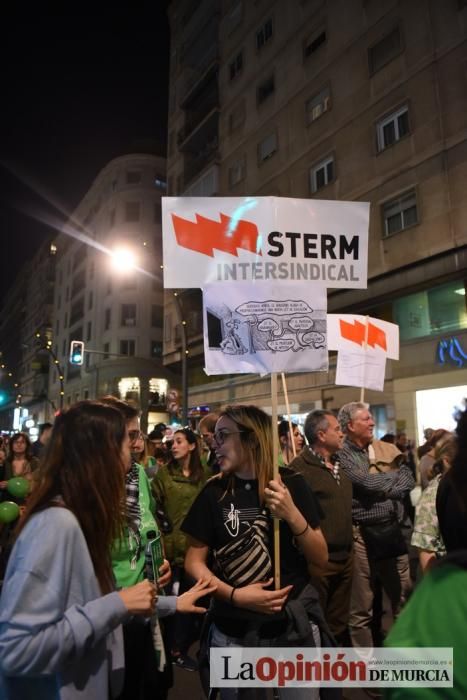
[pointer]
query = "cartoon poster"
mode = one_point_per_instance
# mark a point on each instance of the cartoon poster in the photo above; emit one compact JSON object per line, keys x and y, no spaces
{"x":262,"y":328}
{"x":264,"y":239}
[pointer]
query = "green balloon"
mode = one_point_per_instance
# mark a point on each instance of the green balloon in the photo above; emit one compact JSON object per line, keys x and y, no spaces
{"x":9,"y":511}
{"x":18,"y":486}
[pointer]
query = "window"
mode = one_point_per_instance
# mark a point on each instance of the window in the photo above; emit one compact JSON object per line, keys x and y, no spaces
{"x":127,"y":347}
{"x":234,"y":17}
{"x":133,"y":177}
{"x":237,"y":116}
{"x":88,"y":331}
{"x":441,"y":309}
{"x":265,"y":89}
{"x":235,"y":67}
{"x":160,"y":181}
{"x":156,"y":315}
{"x":264,"y":34}
{"x":385,"y":50}
{"x":106,"y":349}
{"x":400,"y":213}
{"x":267,"y":147}
{"x":156,"y":348}
{"x":237,"y":172}
{"x":128,"y":316}
{"x":132,"y":211}
{"x":57,"y":327}
{"x":107,"y":319}
{"x":392,"y":128}
{"x":313,"y":43}
{"x":318,"y":105}
{"x":168,"y":328}
{"x":322,"y":174}
{"x":87,"y":361}
{"x":90,"y":300}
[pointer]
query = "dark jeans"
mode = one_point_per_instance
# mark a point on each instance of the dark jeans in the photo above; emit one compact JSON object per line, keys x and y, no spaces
{"x":143,"y":681}
{"x":182,"y":629}
{"x":334,"y":588}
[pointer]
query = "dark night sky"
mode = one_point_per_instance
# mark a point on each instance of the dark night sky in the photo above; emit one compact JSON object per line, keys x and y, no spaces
{"x":76,"y":90}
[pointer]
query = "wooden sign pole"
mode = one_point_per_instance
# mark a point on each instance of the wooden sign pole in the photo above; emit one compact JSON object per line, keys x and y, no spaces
{"x":365,"y":345}
{"x":287,"y":405}
{"x":275,"y":473}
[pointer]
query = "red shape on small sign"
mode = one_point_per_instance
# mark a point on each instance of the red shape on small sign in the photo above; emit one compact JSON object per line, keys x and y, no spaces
{"x":355,"y":332}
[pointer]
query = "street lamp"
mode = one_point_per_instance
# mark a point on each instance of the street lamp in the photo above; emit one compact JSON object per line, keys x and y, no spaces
{"x":123,"y":260}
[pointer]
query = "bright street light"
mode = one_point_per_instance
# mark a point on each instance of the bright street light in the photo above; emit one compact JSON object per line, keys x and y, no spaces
{"x":123,"y":260}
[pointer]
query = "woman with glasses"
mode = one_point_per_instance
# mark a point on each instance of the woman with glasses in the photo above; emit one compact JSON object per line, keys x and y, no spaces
{"x":175,"y":488}
{"x":234,"y":508}
{"x":60,"y":616}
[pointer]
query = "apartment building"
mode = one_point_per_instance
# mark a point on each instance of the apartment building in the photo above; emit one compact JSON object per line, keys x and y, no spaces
{"x":117,"y":313}
{"x":347,"y":100}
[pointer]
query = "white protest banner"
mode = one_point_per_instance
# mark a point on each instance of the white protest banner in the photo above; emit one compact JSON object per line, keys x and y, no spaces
{"x":272,"y":239}
{"x":360,"y":368}
{"x":347,"y":332}
{"x":263,"y":327}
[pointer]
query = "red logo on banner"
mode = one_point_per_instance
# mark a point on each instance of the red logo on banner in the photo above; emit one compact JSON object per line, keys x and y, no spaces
{"x":227,"y":235}
{"x":356,"y":333}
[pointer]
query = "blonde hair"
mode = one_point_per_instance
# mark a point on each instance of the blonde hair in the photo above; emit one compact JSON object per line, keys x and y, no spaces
{"x":256,"y":438}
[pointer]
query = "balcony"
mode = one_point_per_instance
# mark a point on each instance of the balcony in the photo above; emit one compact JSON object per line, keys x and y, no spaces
{"x":199,"y":74}
{"x":198,"y":117}
{"x":196,"y":164}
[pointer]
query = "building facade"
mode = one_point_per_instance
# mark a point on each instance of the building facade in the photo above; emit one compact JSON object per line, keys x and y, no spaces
{"x":117,"y":313}
{"x":360,"y":100}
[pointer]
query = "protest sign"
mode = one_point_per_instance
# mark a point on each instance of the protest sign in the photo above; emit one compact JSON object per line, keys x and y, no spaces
{"x":263,"y":328}
{"x":271,"y":239}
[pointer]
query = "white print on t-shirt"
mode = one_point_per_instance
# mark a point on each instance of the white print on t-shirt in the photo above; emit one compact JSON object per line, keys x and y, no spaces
{"x":233,"y":521}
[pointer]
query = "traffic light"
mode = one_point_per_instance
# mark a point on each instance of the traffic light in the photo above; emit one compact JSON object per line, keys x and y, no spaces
{"x":76,"y":352}
{"x":3,"y":397}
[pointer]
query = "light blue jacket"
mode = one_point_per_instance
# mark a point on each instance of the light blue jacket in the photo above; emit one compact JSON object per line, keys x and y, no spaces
{"x":59,"y":638}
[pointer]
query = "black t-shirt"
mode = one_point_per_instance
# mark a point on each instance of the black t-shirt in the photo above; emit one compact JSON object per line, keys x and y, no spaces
{"x":219,"y":515}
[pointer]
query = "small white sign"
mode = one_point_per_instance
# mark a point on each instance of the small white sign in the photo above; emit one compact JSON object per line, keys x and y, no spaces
{"x":363,"y":369}
{"x":350,"y":332}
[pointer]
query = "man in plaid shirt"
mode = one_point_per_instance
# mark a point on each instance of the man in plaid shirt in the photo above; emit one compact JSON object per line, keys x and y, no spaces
{"x":375,"y":500}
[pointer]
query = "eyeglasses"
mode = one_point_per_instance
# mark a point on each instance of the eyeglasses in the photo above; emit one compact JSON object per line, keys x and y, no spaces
{"x":135,"y":435}
{"x":220,"y":435}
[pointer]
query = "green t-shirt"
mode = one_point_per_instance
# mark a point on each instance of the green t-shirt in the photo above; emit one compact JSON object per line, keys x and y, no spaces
{"x":435,"y":616}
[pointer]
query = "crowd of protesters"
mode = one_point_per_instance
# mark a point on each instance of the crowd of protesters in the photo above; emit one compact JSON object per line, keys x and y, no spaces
{"x":107,"y":619}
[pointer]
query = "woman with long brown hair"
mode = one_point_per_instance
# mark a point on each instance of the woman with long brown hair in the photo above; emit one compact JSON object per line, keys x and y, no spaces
{"x":175,"y":488}
{"x":60,"y":617}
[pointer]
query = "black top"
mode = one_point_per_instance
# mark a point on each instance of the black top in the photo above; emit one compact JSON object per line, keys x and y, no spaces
{"x":218,"y":516}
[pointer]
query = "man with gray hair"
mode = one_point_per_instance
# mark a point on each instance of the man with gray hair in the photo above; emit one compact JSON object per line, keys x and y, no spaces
{"x":333,"y":489}
{"x":379,"y":551}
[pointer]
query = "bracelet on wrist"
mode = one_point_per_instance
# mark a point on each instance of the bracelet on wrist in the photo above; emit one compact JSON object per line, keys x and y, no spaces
{"x":299,"y":534}
{"x":232,"y":602}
